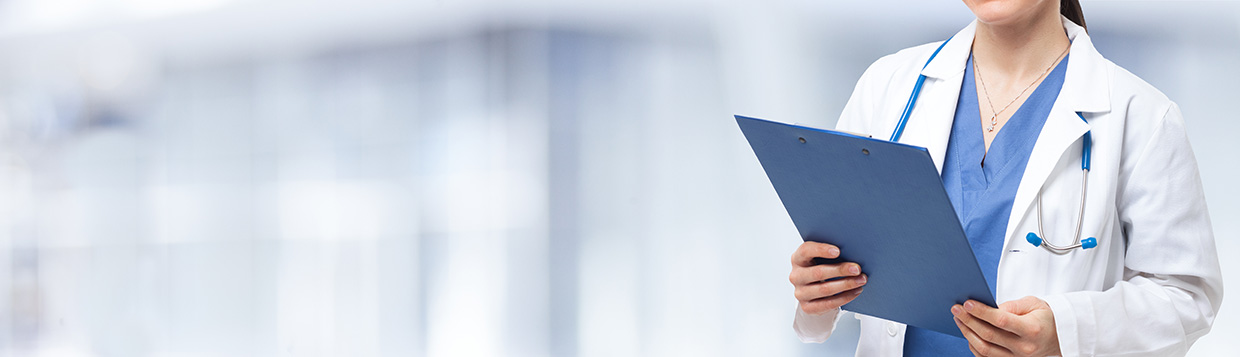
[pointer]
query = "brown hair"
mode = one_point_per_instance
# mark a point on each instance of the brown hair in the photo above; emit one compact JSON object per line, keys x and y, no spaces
{"x":1072,"y":10}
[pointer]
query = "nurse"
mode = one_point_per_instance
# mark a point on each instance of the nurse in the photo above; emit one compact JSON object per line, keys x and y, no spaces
{"x":1008,"y":106}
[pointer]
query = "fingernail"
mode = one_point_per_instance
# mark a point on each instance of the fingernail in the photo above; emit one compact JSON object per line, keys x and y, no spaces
{"x":861,"y":280}
{"x":956,"y":311}
{"x":854,"y":269}
{"x":835,"y":252}
{"x":968,"y":305}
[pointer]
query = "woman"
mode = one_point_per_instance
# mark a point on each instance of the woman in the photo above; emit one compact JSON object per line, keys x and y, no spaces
{"x":1007,"y":111}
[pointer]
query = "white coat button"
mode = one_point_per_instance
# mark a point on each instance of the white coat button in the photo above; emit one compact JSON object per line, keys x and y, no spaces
{"x":891,"y":329}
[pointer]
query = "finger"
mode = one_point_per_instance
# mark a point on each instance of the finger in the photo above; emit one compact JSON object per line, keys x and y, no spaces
{"x":818,"y":306}
{"x":984,"y":330}
{"x":829,"y":288}
{"x":808,"y":275}
{"x":1022,"y":306}
{"x":998,"y":318}
{"x":978,"y":345}
{"x":805,"y":254}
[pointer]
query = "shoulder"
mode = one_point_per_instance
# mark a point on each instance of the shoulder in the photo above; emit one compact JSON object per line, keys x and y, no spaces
{"x":1132,"y":95}
{"x":1148,"y":128}
{"x":908,"y":60}
{"x":879,"y":88}
{"x":1145,"y":110}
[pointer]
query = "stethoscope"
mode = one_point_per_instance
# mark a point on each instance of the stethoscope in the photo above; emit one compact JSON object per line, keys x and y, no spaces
{"x":1033,"y":238}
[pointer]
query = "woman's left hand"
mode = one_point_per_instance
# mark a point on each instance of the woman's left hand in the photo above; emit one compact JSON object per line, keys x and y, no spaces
{"x":1024,"y":327}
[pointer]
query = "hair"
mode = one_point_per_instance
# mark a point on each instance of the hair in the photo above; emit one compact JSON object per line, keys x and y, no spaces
{"x":1072,"y":10}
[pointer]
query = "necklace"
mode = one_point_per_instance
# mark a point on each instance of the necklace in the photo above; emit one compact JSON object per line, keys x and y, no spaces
{"x":995,"y":115}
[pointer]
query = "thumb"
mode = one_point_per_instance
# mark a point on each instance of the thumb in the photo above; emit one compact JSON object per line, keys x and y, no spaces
{"x":1022,"y":306}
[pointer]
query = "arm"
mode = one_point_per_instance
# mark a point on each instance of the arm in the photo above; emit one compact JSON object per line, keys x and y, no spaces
{"x":1172,"y":285}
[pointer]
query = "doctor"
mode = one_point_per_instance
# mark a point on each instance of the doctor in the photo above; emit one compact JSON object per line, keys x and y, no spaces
{"x":1013,"y":109}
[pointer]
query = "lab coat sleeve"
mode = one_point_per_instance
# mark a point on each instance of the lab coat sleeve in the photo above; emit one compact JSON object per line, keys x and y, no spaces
{"x":816,"y":328}
{"x":1172,"y":285}
{"x":811,"y":328}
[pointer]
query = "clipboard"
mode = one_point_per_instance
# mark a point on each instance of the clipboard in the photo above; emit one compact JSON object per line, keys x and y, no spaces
{"x":883,"y":204}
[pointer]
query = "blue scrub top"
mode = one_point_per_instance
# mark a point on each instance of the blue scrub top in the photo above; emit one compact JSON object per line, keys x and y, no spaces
{"x":982,"y":192}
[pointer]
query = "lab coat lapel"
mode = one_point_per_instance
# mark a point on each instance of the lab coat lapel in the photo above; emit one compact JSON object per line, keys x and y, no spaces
{"x":930,"y":124}
{"x":1086,"y":89}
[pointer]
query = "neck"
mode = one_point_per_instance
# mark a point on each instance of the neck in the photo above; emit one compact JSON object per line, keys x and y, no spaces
{"x":1020,"y":49}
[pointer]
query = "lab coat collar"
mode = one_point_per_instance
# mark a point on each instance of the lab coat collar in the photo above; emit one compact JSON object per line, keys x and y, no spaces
{"x":1087,"y":83}
{"x":951,"y":59}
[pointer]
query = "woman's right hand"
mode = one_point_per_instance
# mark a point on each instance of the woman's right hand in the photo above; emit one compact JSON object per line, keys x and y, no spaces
{"x":815,"y":294}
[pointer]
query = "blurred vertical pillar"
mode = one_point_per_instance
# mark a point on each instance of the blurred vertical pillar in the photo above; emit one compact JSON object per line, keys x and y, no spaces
{"x":518,"y":93}
{"x":491,"y":262}
{"x":463,"y":201}
{"x":563,"y":190}
{"x":19,"y":259}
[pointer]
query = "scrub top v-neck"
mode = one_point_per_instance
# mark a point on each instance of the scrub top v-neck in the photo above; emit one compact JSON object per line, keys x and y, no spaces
{"x":982,"y":194}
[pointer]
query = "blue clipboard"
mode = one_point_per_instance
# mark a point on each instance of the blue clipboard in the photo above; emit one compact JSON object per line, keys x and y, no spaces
{"x":884,"y":205}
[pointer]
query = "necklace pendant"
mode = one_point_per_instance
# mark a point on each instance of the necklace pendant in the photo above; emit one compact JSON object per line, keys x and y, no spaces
{"x":993,"y":122}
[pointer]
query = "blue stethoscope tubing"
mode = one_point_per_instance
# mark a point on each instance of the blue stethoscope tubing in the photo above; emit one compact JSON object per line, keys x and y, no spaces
{"x":1033,"y":238}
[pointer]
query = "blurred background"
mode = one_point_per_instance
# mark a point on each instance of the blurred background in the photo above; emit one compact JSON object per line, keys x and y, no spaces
{"x":462,"y":178}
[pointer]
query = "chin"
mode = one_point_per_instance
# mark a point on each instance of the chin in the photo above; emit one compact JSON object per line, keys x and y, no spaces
{"x":1003,"y":12}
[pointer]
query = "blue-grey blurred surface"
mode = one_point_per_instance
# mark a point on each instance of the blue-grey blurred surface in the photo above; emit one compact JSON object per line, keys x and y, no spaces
{"x":462,"y":178}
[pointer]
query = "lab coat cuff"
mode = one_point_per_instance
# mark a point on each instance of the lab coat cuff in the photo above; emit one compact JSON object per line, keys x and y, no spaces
{"x":1073,"y":325}
{"x":815,"y":328}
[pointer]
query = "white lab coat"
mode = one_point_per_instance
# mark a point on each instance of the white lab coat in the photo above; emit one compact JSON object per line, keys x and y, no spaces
{"x":1152,"y":286}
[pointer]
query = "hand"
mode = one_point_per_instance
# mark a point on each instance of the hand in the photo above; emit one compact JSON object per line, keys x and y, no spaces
{"x":1024,"y":327}
{"x":815,"y":294}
